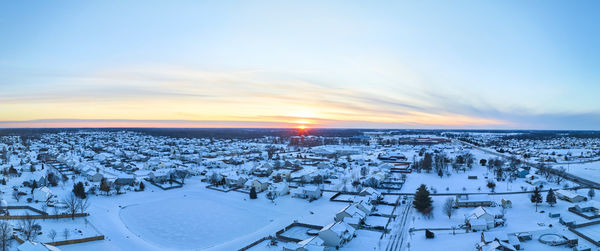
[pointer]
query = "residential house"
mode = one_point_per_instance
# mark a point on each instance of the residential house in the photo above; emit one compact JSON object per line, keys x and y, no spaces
{"x":307,"y":192}
{"x":522,"y":172}
{"x":473,"y":200}
{"x":279,"y":189}
{"x":480,"y":219}
{"x":569,"y":196}
{"x":258,"y":185}
{"x":42,"y":194}
{"x":336,"y":234}
{"x":235,"y":180}
{"x":351,"y":210}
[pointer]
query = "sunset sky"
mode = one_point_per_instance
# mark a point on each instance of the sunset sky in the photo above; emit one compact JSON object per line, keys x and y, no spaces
{"x":339,"y":64}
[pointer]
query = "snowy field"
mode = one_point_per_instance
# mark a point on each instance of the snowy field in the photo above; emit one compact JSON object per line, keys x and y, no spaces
{"x":194,"y":221}
{"x":193,"y":218}
{"x":589,"y":171}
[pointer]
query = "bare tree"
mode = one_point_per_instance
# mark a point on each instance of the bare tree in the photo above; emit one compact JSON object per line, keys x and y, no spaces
{"x":55,"y":210}
{"x":5,"y":235}
{"x":66,"y":233}
{"x":84,"y":204}
{"x":559,"y":175}
{"x":52,"y":234}
{"x":16,"y":195}
{"x":448,"y":207}
{"x":44,"y":207}
{"x":72,"y":203}
{"x":182,"y":176}
{"x":30,"y":228}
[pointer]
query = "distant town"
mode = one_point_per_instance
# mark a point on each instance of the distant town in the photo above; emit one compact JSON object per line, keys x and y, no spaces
{"x":298,"y":189}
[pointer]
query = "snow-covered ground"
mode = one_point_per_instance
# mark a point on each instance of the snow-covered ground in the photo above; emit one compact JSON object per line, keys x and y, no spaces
{"x":589,"y":171}
{"x":194,"y":217}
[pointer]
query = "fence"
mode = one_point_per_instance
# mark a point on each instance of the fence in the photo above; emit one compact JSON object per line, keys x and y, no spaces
{"x":75,"y":241}
{"x":255,"y":243}
{"x":580,"y":234}
{"x":279,"y":233}
{"x":66,"y":242}
{"x":46,"y":216}
{"x":27,"y":207}
{"x":573,"y":210}
{"x":179,"y":184}
{"x":334,"y":197}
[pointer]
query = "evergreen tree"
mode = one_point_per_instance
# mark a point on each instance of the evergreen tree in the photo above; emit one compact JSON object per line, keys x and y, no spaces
{"x":536,"y":197}
{"x":252,"y":193}
{"x":551,"y":198}
{"x":427,"y":162}
{"x":79,"y":190}
{"x":422,"y":199}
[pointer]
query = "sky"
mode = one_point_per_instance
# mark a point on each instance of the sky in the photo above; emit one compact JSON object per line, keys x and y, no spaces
{"x":333,"y":64}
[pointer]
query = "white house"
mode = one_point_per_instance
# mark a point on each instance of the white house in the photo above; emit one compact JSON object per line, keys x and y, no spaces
{"x":42,"y":194}
{"x":569,"y":196}
{"x":279,"y":189}
{"x":258,"y":185}
{"x":351,"y":210}
{"x":478,"y":216}
{"x":307,"y":192}
{"x":336,"y":234}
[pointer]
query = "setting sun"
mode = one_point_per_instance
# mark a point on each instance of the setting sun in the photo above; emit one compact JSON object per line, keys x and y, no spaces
{"x":302,"y":127}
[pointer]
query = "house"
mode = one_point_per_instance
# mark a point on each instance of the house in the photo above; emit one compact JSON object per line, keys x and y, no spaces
{"x":279,"y":189}
{"x":590,"y":208}
{"x":258,"y":185}
{"x":307,"y":192}
{"x":371,"y":193}
{"x":512,"y":240}
{"x":325,"y":165}
{"x":497,"y":246}
{"x":522,"y":172}
{"x":125,"y":180}
{"x":534,"y":180}
{"x":36,"y":246}
{"x":362,"y":205}
{"x":235,"y":180}
{"x":336,"y":234}
{"x":473,"y":200}
{"x":479,"y":225}
{"x":94,"y":176}
{"x":159,"y":176}
{"x":263,"y":171}
{"x":42,"y":194}
{"x":351,"y":210}
{"x":374,"y":180}
{"x":570,"y":196}
{"x":480,"y":219}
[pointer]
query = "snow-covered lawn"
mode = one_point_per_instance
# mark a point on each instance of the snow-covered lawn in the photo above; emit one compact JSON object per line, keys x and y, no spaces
{"x":194,"y":221}
{"x":589,"y":171}
{"x":193,"y":218}
{"x":78,"y":228}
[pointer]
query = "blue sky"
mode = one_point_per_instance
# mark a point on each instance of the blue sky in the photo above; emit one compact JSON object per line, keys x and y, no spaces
{"x":382,"y":64}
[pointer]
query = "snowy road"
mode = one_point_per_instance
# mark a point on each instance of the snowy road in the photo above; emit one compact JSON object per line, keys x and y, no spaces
{"x":399,"y":228}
